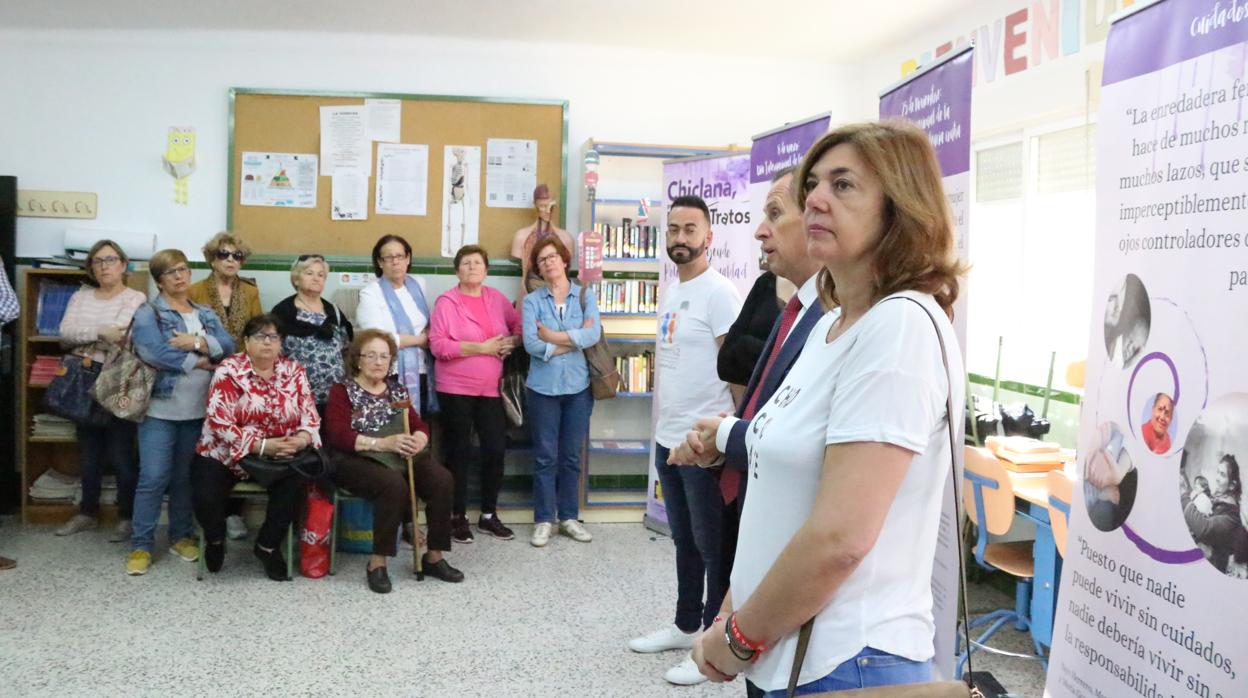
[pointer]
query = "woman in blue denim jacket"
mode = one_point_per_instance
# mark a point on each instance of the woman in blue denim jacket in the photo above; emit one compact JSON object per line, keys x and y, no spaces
{"x":557,"y":329}
{"x":183,"y":341}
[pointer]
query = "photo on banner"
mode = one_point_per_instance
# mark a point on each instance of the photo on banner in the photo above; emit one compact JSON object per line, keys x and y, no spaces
{"x":1156,"y":570}
{"x":722,"y":181}
{"x":938,"y":100}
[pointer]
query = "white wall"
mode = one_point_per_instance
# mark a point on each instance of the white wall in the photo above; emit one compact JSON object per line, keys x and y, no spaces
{"x":88,"y":111}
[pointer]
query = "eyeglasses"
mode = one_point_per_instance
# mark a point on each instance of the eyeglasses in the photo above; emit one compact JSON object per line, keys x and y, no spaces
{"x":176,"y":271}
{"x":101,"y":262}
{"x":391,"y":258}
{"x":546,"y":258}
{"x":238,"y":255}
{"x":266,"y":337}
{"x":374,"y":356}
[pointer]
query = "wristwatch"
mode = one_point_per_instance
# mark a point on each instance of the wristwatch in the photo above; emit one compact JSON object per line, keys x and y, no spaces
{"x":198,"y":343}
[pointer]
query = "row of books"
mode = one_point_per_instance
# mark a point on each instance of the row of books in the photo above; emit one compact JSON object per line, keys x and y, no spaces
{"x":52,"y":426}
{"x":629,"y":240}
{"x":631,"y":296}
{"x":43,"y":368}
{"x":53,"y":300}
{"x":637,"y":372}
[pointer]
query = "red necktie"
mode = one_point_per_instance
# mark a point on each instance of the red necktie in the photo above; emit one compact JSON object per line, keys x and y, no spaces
{"x":731,"y":477}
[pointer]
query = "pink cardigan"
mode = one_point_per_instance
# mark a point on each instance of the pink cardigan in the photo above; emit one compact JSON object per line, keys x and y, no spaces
{"x":453,"y":323}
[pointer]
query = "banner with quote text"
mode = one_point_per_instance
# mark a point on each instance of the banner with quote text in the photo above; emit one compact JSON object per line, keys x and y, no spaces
{"x":938,"y":100}
{"x":721,"y":182}
{"x":1153,"y":593}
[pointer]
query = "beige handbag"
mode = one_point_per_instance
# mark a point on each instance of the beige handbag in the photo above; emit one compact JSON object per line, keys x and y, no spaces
{"x":125,"y":383}
{"x":930,"y":689}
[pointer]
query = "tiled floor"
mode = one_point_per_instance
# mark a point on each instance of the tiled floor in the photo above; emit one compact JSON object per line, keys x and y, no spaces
{"x":527,"y":622}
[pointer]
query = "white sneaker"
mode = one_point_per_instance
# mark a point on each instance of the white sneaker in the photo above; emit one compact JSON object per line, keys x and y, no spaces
{"x":122,"y":533}
{"x":235,"y":529}
{"x":541,"y":535}
{"x":669,"y":638}
{"x":575,"y":530}
{"x":80,"y":522}
{"x":685,"y":674}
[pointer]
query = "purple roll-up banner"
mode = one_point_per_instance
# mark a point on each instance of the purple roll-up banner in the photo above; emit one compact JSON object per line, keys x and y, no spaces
{"x":938,"y":100}
{"x":1151,"y":600}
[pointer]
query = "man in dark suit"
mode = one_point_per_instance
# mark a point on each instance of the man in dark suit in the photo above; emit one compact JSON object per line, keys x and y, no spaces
{"x":717,"y":441}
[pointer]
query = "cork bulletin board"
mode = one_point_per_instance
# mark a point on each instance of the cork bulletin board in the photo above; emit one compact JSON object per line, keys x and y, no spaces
{"x":289,"y":122}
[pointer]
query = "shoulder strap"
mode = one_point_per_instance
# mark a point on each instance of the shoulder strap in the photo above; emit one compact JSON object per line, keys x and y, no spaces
{"x":803,"y":635}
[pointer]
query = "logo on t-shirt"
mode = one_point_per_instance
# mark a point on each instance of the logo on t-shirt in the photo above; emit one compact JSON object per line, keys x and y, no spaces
{"x":667,"y":326}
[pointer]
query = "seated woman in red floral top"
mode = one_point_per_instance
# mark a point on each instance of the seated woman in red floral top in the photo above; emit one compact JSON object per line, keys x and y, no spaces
{"x":370,"y":449}
{"x":259,"y":403}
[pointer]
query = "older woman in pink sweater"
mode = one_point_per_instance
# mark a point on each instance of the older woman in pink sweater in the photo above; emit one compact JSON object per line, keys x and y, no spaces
{"x":473,"y":328}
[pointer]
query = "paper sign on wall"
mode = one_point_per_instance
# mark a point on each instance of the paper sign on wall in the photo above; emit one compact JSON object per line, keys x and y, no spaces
{"x":278,"y":179}
{"x":402,"y":179}
{"x":344,"y":139}
{"x":350,"y":195}
{"x":510,"y":172}
{"x":384,"y":119}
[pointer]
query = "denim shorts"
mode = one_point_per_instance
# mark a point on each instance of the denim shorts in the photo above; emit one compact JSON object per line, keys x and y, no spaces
{"x":867,"y":669}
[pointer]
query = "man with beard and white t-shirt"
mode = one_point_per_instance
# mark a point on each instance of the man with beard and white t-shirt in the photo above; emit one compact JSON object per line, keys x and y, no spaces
{"x":695,"y":314}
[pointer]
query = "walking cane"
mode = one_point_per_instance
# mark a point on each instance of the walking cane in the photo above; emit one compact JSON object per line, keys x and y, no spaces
{"x":417,"y":563}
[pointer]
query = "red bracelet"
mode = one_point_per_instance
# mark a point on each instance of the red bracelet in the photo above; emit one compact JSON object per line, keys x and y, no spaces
{"x":756,"y":647}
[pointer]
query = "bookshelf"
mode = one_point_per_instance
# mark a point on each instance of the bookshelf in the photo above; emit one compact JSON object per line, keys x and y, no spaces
{"x":38,"y":454}
{"x":629,"y":186}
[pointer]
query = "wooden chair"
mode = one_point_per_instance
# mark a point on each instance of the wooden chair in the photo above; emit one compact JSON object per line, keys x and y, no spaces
{"x":988,"y":497}
{"x":1061,"y":489}
{"x":250,"y":491}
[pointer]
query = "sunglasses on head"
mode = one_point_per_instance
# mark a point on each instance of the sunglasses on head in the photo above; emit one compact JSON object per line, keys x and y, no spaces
{"x":306,"y":257}
{"x":238,"y":255}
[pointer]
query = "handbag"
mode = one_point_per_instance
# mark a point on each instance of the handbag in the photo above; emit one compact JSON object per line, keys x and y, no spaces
{"x":69,"y":393}
{"x":310,"y":463}
{"x":124,"y":386}
{"x":929,"y":689}
{"x":604,"y":380}
{"x":511,"y":386}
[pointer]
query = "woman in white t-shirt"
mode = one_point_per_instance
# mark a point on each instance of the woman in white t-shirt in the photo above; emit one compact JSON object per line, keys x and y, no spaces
{"x":849,"y":458}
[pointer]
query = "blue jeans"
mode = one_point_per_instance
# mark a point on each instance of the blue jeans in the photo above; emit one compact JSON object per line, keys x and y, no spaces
{"x":695,"y":512}
{"x":110,"y":447}
{"x":870,"y":668}
{"x":165,"y":452}
{"x":559,"y":425}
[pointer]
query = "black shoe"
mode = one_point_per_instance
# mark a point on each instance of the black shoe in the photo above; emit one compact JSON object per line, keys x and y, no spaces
{"x":274,"y":564}
{"x":495,"y":527}
{"x":442,"y":570}
{"x":379,"y":580}
{"x":460,"y":533}
{"x":214,"y":556}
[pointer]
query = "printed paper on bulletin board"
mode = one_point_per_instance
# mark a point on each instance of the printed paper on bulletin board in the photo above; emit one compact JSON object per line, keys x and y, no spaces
{"x":267,"y":121}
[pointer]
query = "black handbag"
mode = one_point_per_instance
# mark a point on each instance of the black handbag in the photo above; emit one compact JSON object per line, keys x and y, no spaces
{"x":69,"y":393}
{"x":511,"y":386}
{"x":311,"y":463}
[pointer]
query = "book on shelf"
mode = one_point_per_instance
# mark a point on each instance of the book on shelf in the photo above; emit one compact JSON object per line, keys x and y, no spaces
{"x":43,"y":368}
{"x":636,"y":296}
{"x":629,"y":240}
{"x":52,"y":302}
{"x":636,"y":371}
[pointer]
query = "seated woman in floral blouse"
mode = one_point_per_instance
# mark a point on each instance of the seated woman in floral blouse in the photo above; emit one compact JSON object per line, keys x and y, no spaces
{"x":259,"y":403}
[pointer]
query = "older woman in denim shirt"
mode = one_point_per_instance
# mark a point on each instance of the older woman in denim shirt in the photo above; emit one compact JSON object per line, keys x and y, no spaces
{"x":183,"y":341}
{"x":558,"y":324}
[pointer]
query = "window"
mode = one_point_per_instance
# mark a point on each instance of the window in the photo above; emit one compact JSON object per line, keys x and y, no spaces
{"x":1032,"y":230}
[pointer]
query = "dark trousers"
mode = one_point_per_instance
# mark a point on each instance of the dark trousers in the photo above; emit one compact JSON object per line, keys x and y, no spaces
{"x":730,"y":527}
{"x":110,"y":447}
{"x":461,"y":416}
{"x":211,"y":483}
{"x":559,"y":425}
{"x":386,"y":488}
{"x":695,"y":511}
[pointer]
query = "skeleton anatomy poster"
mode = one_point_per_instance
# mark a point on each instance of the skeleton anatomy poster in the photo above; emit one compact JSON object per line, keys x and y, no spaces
{"x":461,"y":197}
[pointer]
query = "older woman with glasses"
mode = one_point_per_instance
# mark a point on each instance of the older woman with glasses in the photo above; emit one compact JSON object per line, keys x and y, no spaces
{"x":395,"y":304}
{"x":96,"y":320}
{"x":235,"y":299}
{"x":183,"y":341}
{"x":316,"y":333}
{"x":259,"y":404}
{"x":365,"y":430}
